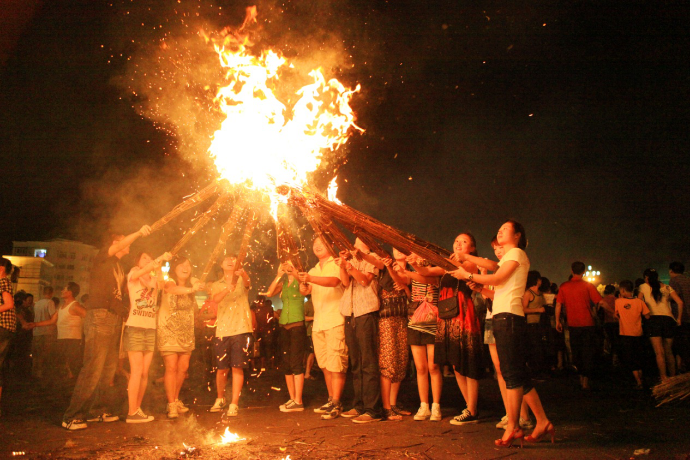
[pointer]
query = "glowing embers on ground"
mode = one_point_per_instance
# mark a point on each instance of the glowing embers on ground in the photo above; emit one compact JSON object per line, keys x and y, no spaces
{"x":265,"y":141}
{"x":228,"y":437}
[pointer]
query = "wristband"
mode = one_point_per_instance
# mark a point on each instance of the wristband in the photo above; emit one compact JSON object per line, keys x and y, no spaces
{"x":469,"y":278}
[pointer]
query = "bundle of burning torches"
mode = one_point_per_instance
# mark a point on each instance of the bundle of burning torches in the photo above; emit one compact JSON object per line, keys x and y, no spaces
{"x":324,"y":217}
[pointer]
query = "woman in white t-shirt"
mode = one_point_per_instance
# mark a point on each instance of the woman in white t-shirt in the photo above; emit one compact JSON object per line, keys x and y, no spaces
{"x":661,"y":326}
{"x":509,"y":326}
{"x":140,"y":328}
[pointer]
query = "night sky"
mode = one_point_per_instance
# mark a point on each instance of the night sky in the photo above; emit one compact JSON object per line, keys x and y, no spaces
{"x":571,"y":117}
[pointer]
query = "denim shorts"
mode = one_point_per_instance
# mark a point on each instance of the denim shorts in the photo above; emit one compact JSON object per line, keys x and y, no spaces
{"x":510,"y":334}
{"x":233,"y":351}
{"x":139,"y":339}
{"x":489,"y":338}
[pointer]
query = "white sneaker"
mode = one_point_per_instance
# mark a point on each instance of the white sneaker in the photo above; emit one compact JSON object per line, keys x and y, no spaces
{"x":172,"y":410}
{"x":75,"y":424}
{"x":139,"y":417}
{"x":218,"y":405}
{"x":233,"y":410}
{"x":423,"y":413}
{"x":435,"y":413}
{"x":503,"y":423}
{"x":181,"y":408}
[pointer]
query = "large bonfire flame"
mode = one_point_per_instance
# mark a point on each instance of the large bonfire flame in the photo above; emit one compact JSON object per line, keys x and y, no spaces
{"x":264,"y":142}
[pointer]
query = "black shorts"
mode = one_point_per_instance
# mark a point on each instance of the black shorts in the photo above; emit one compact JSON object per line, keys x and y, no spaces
{"x":419,"y":338}
{"x":631,"y":350}
{"x":661,"y":326}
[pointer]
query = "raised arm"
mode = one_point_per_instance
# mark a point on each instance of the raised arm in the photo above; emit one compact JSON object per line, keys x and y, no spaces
{"x":155,"y":263}
{"x":276,"y":286}
{"x":118,"y":246}
{"x":480,"y":262}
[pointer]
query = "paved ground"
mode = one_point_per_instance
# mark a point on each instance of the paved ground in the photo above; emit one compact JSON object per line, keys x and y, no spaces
{"x":610,"y":423}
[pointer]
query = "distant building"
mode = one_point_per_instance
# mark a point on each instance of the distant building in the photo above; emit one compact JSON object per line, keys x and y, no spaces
{"x":36,"y":273}
{"x":71,"y":260}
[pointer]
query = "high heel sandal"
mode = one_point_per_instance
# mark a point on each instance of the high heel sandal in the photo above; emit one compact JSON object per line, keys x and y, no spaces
{"x":516,"y":434}
{"x":549,"y":429}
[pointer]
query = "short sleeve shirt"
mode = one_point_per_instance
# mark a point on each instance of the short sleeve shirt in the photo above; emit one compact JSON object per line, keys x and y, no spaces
{"x":681,"y":284}
{"x":578,"y":296}
{"x":662,"y":307}
{"x":44,"y":309}
{"x":508,"y":296}
{"x":234,"y":314}
{"x":143,"y":302}
{"x":630,"y":312}
{"x":359,"y":300}
{"x":8,"y":318}
{"x":326,"y":299}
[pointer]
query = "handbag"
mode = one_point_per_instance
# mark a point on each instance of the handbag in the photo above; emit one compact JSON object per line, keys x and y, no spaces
{"x":449,"y":308}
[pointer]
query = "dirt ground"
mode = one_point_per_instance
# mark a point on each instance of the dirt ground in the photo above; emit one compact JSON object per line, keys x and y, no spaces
{"x":611,"y":422}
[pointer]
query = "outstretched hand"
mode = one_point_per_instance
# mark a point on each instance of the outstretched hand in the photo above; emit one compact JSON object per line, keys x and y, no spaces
{"x":145,"y":230}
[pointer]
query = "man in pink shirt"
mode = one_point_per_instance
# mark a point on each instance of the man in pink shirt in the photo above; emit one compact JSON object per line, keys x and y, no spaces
{"x":579,"y":296}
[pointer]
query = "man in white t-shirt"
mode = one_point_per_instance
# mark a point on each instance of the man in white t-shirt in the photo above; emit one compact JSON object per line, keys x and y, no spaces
{"x":45,"y":337}
{"x":328,"y":331}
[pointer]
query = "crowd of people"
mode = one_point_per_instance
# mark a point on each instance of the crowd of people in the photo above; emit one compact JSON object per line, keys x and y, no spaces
{"x":358,"y":315}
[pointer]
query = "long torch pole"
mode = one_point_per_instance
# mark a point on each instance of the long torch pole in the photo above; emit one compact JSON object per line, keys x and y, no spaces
{"x":189,"y":203}
{"x":201,"y":222}
{"x":248,"y":230}
{"x":225,"y":232}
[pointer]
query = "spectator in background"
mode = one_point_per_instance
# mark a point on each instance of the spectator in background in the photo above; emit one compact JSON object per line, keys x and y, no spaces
{"x":19,"y":355}
{"x":681,"y":284}
{"x":661,"y":328}
{"x":45,"y":334}
{"x":611,"y":327}
{"x":533,"y":306}
{"x":578,"y":297}
{"x":69,"y":330}
{"x":265,"y":333}
{"x":8,"y":320}
{"x":629,"y":311}
{"x":309,"y":322}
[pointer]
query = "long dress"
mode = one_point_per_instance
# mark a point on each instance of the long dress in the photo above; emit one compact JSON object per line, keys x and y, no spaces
{"x":459,"y":340}
{"x":393,"y":355}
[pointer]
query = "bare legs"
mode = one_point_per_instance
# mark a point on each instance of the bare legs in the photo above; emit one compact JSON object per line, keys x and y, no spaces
{"x":665,"y":360}
{"x":295,"y":384}
{"x":423,"y":356}
{"x":470,"y":391}
{"x":176,"y":366}
{"x":139,"y":363}
{"x":335,"y":382}
{"x":237,"y":383}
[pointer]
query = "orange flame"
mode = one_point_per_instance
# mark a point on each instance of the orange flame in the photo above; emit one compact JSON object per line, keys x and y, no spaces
{"x":262,"y":142}
{"x":228,"y":437}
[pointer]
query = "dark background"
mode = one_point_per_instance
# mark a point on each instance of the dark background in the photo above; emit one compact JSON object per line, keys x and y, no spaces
{"x":571,"y":117}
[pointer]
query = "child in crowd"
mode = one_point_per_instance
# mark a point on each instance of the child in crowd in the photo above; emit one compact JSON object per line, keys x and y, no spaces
{"x":629,"y":312}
